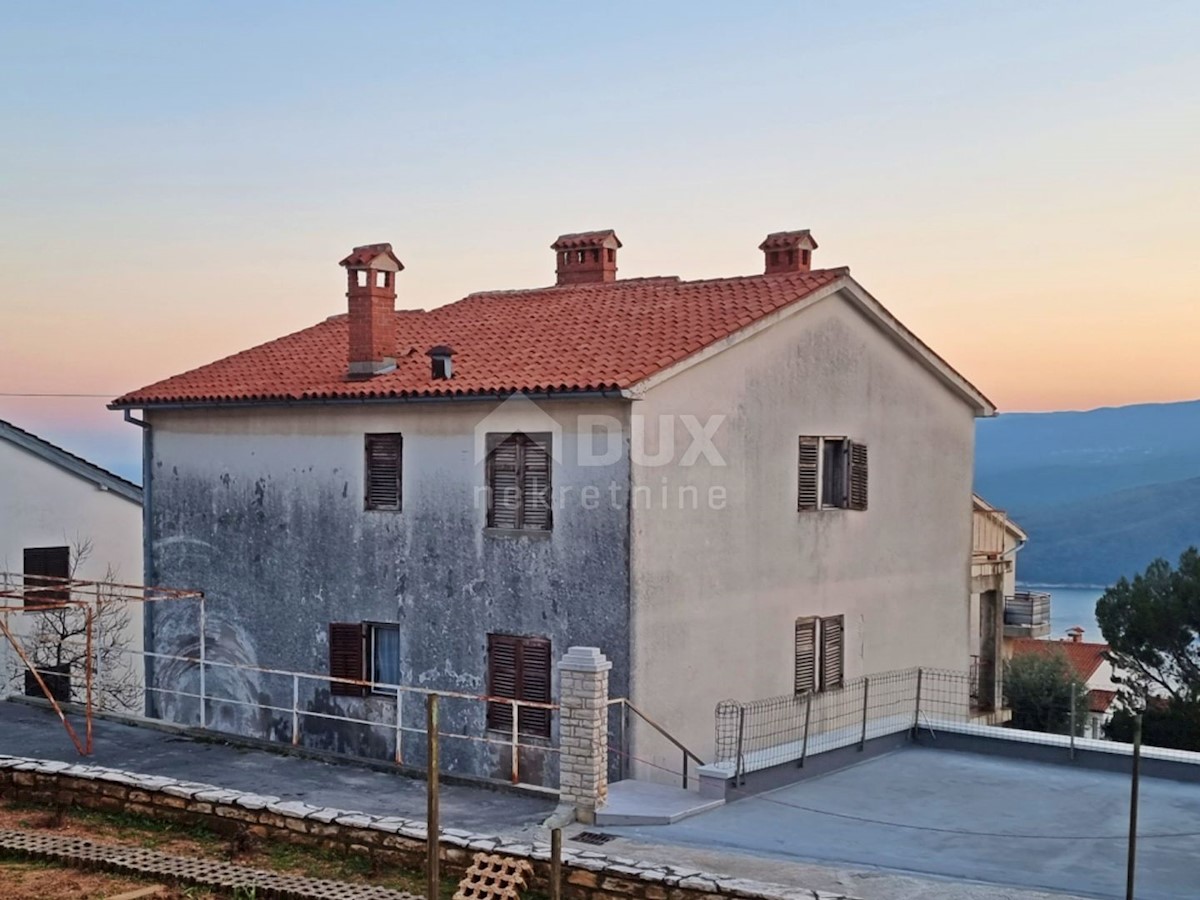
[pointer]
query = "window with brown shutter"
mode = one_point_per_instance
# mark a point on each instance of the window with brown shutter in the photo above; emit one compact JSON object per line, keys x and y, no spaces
{"x":518,"y":480}
{"x":346,"y":658}
{"x":519,"y":669}
{"x":858,"y":476}
{"x":42,"y":566}
{"x":806,"y":655}
{"x":831,"y":474}
{"x":833,"y":652}
{"x":384,"y":471}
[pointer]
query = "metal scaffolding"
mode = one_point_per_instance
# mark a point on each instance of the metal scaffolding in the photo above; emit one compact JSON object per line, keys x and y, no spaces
{"x":21,"y":594}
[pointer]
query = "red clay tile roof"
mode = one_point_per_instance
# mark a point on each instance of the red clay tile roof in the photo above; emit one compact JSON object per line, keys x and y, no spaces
{"x":361,"y":256}
{"x":1099,"y":701}
{"x":586,"y":337}
{"x":585,"y":239}
{"x":1084,"y":658}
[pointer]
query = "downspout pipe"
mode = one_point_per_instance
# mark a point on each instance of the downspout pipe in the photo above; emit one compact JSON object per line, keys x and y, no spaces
{"x":147,"y":559}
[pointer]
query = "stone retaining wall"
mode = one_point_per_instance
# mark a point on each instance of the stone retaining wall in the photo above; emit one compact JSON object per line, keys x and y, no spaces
{"x":587,"y":875}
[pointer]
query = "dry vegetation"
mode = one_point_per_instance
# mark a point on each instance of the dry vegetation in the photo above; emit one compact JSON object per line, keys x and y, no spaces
{"x":178,"y":840}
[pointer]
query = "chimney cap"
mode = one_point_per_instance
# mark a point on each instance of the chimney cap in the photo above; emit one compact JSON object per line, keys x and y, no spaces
{"x":604,"y":238}
{"x":368,"y":255}
{"x":789,"y":240}
{"x":440,"y":350}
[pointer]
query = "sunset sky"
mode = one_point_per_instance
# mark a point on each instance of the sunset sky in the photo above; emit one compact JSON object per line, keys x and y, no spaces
{"x":1017,"y":182}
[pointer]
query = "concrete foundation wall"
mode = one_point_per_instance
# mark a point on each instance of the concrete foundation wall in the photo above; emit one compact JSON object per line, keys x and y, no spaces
{"x":716,"y":591}
{"x":263,"y":510}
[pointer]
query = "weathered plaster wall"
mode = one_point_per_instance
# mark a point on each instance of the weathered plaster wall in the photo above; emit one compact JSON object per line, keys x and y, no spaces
{"x":716,"y":591}
{"x":262,"y":508}
{"x":44,"y":506}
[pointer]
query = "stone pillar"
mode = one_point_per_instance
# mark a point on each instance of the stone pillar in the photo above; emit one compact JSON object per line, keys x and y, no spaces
{"x":583,"y":731}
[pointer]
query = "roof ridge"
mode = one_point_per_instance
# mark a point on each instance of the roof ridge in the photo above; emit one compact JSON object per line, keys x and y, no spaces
{"x":48,"y":450}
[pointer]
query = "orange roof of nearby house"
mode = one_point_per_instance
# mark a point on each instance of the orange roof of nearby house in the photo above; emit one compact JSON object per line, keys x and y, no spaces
{"x":1084,"y":658}
{"x":584,"y":337}
{"x":1099,"y":700}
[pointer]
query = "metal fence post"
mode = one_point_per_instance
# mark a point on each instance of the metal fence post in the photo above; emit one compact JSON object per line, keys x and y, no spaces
{"x":1072,"y":720}
{"x":399,"y":757}
{"x":807,"y":722}
{"x":916,"y":729}
{"x":862,"y":738}
{"x":516,"y":766}
{"x":295,"y":709}
{"x":433,"y":859}
{"x":737,"y":772}
{"x":203,"y":693}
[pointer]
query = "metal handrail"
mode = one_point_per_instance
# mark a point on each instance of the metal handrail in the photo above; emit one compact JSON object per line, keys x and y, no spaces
{"x":687,"y":754}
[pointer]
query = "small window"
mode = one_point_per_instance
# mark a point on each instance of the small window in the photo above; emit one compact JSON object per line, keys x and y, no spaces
{"x":384,"y":465}
{"x":831,"y":474}
{"x":43,"y":567}
{"x":383,"y":658}
{"x":518,"y":481}
{"x":820,"y":654}
{"x":519,"y":669}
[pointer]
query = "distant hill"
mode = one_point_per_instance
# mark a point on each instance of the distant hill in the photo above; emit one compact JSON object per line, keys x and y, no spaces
{"x":1101,"y":493}
{"x":1096,"y":541}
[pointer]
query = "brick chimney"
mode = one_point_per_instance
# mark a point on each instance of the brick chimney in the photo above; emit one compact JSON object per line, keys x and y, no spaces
{"x":788,"y":251}
{"x":587,"y":257}
{"x":371,"y":293}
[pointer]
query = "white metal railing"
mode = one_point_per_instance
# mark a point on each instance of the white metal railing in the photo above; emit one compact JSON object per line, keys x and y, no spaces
{"x":303,"y":690}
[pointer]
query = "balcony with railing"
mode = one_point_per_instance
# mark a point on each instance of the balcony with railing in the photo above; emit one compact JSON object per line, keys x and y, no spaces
{"x":1027,"y":614}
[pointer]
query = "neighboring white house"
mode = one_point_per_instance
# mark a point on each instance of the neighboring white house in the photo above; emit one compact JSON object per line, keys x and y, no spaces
{"x":688,"y":490}
{"x":64,"y":517}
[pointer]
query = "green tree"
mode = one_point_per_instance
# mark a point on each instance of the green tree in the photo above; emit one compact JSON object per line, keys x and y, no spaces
{"x":1152,"y":624}
{"x":1040,"y":688}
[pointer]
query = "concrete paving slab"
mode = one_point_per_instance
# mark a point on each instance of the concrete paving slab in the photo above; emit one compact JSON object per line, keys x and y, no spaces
{"x":643,"y":803}
{"x":35,"y":732}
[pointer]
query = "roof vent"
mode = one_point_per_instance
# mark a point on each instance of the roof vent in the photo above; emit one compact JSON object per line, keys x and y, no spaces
{"x":371,"y":292}
{"x":788,"y":251}
{"x":440,"y":358}
{"x":587,"y":257}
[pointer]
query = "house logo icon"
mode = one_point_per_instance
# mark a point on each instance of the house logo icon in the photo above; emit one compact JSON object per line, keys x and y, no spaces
{"x":517,"y":414}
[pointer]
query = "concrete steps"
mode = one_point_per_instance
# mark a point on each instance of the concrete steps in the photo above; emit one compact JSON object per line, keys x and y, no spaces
{"x":633,"y":802}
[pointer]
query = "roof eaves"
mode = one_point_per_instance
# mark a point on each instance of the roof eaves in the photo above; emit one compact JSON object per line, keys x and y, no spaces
{"x":69,"y":462}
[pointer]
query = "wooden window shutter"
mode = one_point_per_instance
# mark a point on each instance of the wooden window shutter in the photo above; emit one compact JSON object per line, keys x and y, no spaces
{"x":384,"y":474}
{"x":806,"y":655}
{"x":535,"y":485}
{"x":858,"y":476}
{"x":808,"y":493}
{"x":346,"y":658}
{"x":833,"y":652}
{"x":504,"y":484}
{"x":519,"y":668}
{"x":42,"y":566}
{"x":503,"y":671}
{"x":535,"y":685}
{"x":518,"y":474}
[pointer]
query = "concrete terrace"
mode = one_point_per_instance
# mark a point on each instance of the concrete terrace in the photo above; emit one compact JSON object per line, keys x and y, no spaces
{"x":36,"y":732}
{"x":918,"y":822}
{"x":965,"y":816}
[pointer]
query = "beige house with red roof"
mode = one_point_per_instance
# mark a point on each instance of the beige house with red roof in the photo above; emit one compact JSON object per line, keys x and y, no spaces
{"x":734,"y":487}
